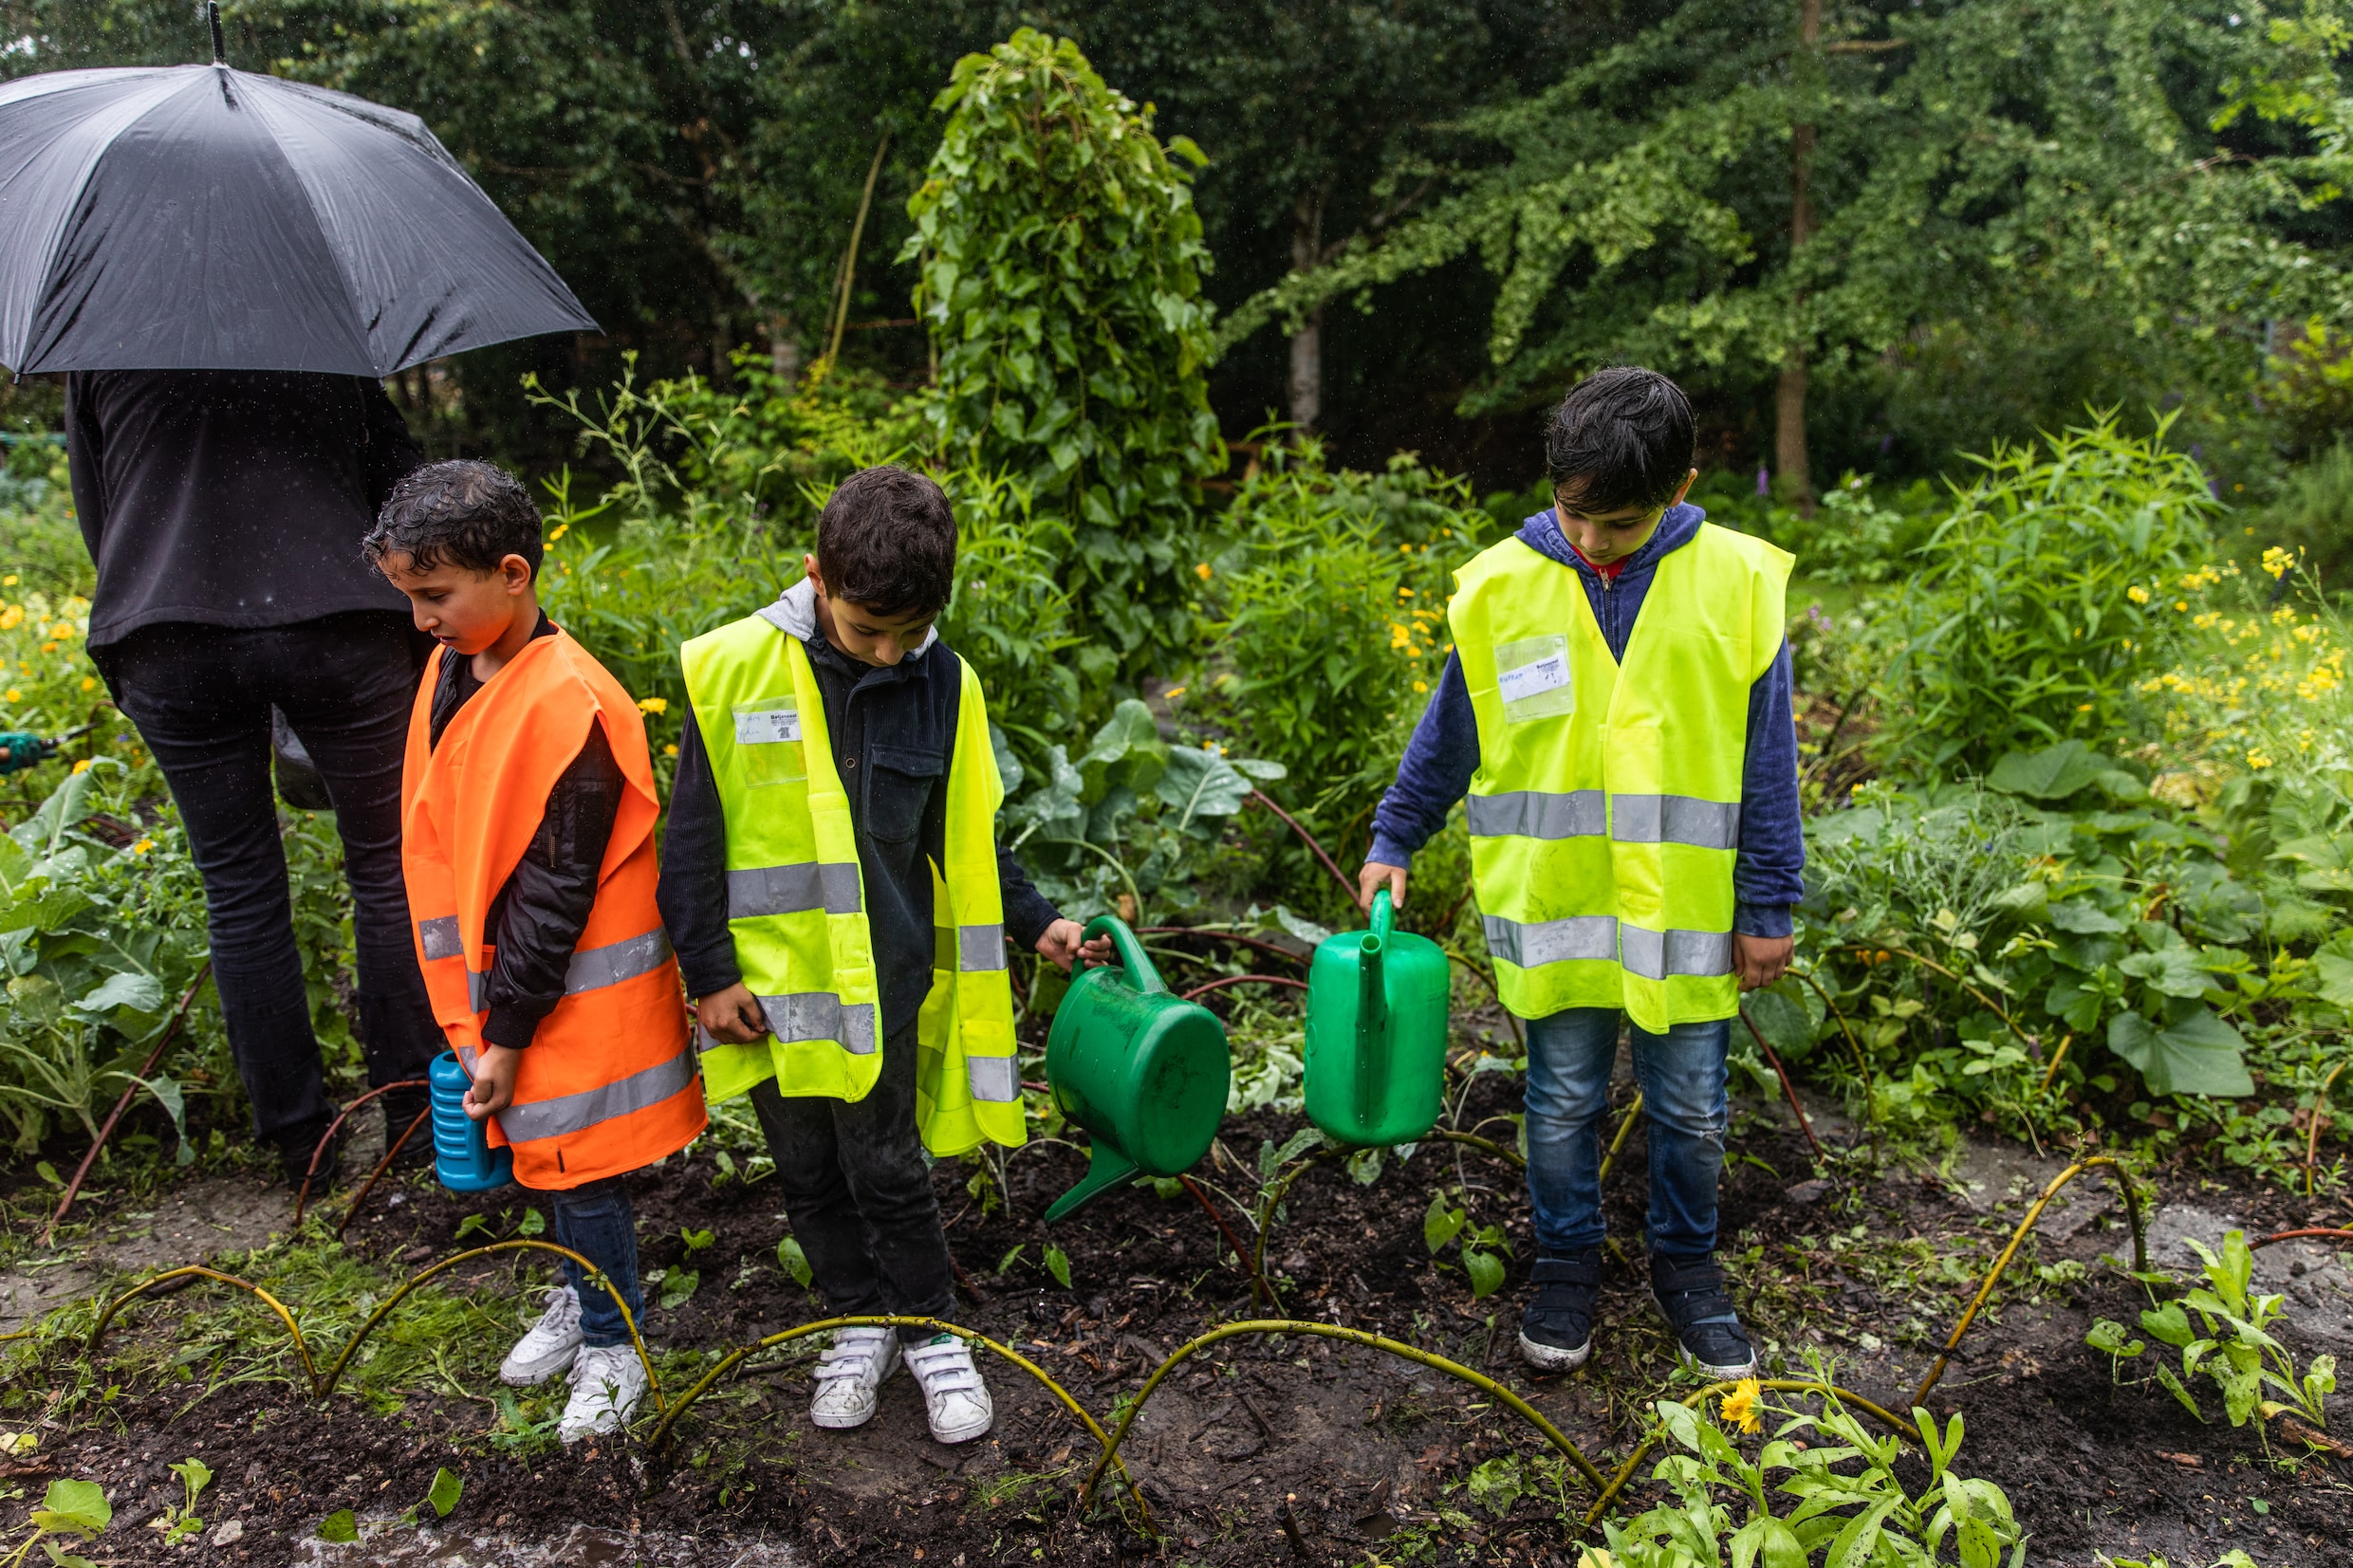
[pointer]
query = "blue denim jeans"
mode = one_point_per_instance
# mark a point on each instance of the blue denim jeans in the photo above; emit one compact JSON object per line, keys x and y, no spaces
{"x":1681,"y":1073}
{"x":595,"y":1220}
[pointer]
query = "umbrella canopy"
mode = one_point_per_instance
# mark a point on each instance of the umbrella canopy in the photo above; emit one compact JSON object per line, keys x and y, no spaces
{"x":196,"y":217}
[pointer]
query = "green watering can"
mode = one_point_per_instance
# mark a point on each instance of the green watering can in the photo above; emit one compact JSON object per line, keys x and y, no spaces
{"x":1144,"y":1071}
{"x":1377,"y":1013}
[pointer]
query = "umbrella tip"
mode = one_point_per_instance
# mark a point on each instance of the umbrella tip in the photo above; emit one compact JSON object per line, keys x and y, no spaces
{"x":212,"y":14}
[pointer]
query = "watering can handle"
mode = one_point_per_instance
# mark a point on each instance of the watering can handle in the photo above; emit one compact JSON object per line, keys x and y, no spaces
{"x":1142,"y":976}
{"x":1384,"y":915}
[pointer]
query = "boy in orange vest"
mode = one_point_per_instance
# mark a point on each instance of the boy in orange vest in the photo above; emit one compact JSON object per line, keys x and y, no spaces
{"x":527,"y":811}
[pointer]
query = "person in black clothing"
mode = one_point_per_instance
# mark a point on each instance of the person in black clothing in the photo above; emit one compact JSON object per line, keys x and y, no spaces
{"x":224,"y":510}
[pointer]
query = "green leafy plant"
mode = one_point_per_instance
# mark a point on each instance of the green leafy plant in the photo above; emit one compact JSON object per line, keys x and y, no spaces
{"x":77,"y":1508}
{"x":1444,"y":1223}
{"x":2044,"y":598}
{"x":1060,"y":265}
{"x":340,"y":1528}
{"x":2222,"y":1330}
{"x":1845,"y":1501}
{"x":794,"y":1261}
{"x":178,"y":1521}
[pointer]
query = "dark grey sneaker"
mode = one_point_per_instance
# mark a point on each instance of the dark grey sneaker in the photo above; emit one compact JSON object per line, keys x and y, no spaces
{"x":1556,"y":1331}
{"x":1691,"y":1296}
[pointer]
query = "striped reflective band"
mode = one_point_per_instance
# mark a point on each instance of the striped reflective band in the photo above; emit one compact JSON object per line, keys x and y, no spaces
{"x":1551,"y":941}
{"x":819,"y":1015}
{"x":992,"y":1077}
{"x":1675,"y":819}
{"x":439,"y":938}
{"x":974,"y":949}
{"x":1535,"y":814}
{"x":592,"y":969}
{"x":566,"y":1114}
{"x":1655,"y":955}
{"x":824,"y":885}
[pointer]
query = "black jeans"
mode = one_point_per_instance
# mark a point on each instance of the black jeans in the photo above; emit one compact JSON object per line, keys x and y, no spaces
{"x":859,"y":1194}
{"x":201,"y":696}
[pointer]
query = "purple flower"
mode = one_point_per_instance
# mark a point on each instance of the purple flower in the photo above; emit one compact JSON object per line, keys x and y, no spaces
{"x":1764,"y":480}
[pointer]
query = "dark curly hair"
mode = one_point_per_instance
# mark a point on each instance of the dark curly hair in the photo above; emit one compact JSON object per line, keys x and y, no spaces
{"x":461,"y":513}
{"x":887,"y":540}
{"x":1623,"y":437}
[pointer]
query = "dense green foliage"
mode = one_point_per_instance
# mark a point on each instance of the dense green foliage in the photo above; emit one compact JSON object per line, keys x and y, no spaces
{"x":1061,"y":282}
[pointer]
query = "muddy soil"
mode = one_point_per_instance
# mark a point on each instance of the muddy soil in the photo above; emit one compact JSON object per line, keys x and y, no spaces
{"x":1262,"y":1451}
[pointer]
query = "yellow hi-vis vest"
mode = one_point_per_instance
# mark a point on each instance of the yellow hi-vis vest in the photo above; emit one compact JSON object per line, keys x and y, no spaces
{"x":1605,"y":813}
{"x":796,"y":901}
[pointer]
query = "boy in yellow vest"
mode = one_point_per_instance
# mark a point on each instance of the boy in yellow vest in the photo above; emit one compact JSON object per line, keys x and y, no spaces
{"x":527,"y":811}
{"x":832,"y":881}
{"x":1617,"y":710}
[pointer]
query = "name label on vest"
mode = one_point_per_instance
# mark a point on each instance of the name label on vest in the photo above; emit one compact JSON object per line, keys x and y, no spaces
{"x":1531,"y":677}
{"x":767,"y":726}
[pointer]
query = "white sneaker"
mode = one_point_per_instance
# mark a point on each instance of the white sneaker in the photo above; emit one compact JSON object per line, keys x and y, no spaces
{"x":551,"y":1345}
{"x":848,"y":1372}
{"x":954,"y":1396}
{"x":607,"y":1382}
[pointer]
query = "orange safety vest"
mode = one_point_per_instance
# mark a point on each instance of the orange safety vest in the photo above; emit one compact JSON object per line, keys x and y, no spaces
{"x":609,"y":1083}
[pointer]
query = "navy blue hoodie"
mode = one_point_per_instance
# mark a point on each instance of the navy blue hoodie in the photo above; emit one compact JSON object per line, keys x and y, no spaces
{"x":1769,"y":872}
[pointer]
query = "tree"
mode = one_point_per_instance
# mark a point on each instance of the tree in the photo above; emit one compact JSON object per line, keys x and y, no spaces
{"x":1060,"y":280}
{"x":1975,"y":164}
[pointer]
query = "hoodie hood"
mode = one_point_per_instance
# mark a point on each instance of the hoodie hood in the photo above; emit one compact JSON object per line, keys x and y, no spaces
{"x":1541,"y":533}
{"x":795,"y":615}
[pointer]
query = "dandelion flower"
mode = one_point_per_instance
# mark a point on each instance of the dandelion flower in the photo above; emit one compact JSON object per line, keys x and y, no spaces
{"x":653,"y":705}
{"x":1740,"y":1405}
{"x":2181,"y":603}
{"x":89,"y":683}
{"x":1200,"y":569}
{"x":14,"y":695}
{"x":9,"y":581}
{"x":670,"y":750}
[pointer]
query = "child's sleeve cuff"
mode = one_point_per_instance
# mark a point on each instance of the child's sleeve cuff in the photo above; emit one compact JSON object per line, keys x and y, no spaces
{"x":1770,"y":920}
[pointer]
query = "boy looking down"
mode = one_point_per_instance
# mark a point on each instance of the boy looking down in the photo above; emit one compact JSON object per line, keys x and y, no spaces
{"x":833,"y":883}
{"x":1617,"y":710}
{"x":527,"y":812}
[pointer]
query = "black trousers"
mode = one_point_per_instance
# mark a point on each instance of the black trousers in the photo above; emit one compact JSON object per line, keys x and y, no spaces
{"x":859,"y":1194}
{"x":201,"y":696}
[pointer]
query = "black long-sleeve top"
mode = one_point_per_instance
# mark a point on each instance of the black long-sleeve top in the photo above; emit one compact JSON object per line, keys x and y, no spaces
{"x":893,"y":731}
{"x":537,"y":919}
{"x":230,"y":497}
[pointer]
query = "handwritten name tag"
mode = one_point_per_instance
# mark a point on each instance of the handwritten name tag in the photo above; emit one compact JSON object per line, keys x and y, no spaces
{"x":767,"y":727}
{"x":1548,"y":673}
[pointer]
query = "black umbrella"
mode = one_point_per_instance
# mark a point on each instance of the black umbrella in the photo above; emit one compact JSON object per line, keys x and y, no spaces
{"x":197,"y":217}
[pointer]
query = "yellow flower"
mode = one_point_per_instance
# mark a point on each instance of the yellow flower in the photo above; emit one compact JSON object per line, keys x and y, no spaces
{"x":1421,"y":686}
{"x":83,"y":766}
{"x":670,"y":750}
{"x":653,"y":705}
{"x":1172,"y":692}
{"x":1200,"y":569}
{"x":2181,"y":603}
{"x":89,"y":683}
{"x":1740,"y":1405}
{"x":2083,"y":708}
{"x":48,"y":647}
{"x":1405,"y":593}
{"x":9,"y":581}
{"x":11,"y":617}
{"x":14,"y":695}
{"x":2277,"y":560}
{"x":2137,"y":594}
{"x":2258,"y":760}
{"x":142,"y":846}
{"x":559,"y":530}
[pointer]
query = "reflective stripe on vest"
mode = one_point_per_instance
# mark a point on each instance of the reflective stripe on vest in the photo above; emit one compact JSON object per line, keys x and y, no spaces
{"x":1604,"y":817}
{"x":791,"y":890}
{"x":591,"y":968}
{"x":570,"y":1113}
